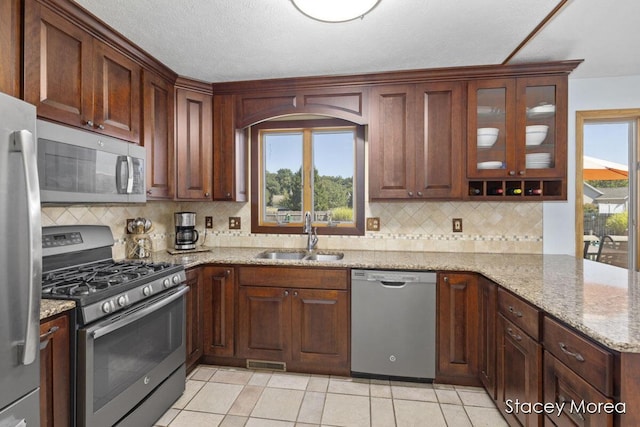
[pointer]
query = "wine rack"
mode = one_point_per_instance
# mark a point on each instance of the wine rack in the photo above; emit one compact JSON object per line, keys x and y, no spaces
{"x":516,"y":190}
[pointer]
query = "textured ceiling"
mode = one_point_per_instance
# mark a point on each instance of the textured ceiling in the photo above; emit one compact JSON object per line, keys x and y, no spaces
{"x":233,"y":40}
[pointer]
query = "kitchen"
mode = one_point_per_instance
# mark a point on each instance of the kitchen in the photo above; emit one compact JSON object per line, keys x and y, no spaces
{"x":415,"y":226}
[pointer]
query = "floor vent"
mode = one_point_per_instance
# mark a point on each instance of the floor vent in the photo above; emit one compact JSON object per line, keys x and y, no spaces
{"x":265,"y":364}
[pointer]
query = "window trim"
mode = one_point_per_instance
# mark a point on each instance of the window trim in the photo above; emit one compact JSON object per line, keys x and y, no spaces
{"x":357,"y":228}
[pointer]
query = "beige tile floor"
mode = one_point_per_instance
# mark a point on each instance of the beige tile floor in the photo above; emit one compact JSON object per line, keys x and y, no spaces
{"x":229,"y":397}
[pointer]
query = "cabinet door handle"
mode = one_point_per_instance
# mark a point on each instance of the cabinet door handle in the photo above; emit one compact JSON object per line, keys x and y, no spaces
{"x":286,"y":293}
{"x":206,"y":194}
{"x":515,"y":312}
{"x":565,"y":350}
{"x":101,"y":127}
{"x":513,"y":335}
{"x":295,"y":293}
{"x":89,"y":123}
{"x":228,"y":195}
{"x":420,"y":193}
{"x":45,"y":338}
{"x":521,"y":172}
{"x":512,"y":173}
{"x":410,"y":193}
{"x":446,"y":279}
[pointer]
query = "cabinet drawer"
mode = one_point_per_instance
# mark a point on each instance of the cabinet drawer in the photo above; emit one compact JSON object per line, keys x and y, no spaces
{"x":520,"y":313}
{"x":566,"y":389}
{"x":311,"y":278}
{"x":589,"y":360}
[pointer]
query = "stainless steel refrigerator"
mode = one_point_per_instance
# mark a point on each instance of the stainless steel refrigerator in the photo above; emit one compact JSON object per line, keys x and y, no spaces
{"x":20,"y":265}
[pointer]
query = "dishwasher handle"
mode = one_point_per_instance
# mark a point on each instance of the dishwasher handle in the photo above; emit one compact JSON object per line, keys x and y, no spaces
{"x":388,"y":284}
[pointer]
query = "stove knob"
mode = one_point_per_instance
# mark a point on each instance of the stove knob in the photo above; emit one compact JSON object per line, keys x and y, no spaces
{"x":122,"y":300}
{"x":166,"y":283}
{"x":106,"y":307}
{"x":176,"y":279}
{"x":146,"y":291}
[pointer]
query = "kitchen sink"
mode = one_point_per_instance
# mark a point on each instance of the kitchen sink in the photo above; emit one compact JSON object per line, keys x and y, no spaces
{"x":324,"y":256}
{"x":281,"y":255}
{"x":300,"y":255}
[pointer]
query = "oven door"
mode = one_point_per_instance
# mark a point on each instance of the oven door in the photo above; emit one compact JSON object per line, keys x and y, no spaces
{"x":122,"y":360}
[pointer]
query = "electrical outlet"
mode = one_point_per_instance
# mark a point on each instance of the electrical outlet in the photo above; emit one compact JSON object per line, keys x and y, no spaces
{"x":234,"y":223}
{"x":373,"y":224}
{"x":457,"y":225}
{"x":208,"y":222}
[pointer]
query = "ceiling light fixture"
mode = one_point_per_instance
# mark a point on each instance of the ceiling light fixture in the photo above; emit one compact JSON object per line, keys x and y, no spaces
{"x":335,"y":10}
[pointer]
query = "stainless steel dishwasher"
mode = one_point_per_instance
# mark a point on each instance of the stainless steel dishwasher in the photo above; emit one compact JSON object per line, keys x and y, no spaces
{"x":393,"y":324}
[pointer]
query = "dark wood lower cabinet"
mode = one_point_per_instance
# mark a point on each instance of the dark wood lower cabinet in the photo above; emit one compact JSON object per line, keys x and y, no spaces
{"x":295,"y":316}
{"x":55,"y":373}
{"x":264,"y":327}
{"x":519,"y":374}
{"x":572,"y":394}
{"x":487,"y":309}
{"x":219,"y":310}
{"x":457,"y":328}
{"x":195,"y":316}
{"x":305,"y":328}
{"x":319,"y":319}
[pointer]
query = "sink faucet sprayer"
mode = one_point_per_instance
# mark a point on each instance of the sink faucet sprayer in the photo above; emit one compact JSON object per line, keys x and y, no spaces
{"x":312,"y":232}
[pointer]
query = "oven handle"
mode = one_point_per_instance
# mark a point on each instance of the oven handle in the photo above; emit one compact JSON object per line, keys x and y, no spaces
{"x":100,"y":331}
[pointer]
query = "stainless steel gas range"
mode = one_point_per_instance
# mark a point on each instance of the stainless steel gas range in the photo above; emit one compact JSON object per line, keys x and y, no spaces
{"x":130,"y":334}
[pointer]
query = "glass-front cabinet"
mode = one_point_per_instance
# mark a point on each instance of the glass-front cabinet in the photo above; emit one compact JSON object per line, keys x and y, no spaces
{"x":517,"y":137}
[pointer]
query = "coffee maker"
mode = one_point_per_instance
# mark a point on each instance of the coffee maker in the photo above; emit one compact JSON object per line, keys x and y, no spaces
{"x":186,"y":233}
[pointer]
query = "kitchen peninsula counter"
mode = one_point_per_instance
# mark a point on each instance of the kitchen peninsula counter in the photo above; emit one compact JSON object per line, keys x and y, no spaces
{"x":599,"y":300}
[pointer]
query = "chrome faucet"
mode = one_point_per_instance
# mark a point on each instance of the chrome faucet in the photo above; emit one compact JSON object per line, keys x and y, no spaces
{"x":312,"y":232}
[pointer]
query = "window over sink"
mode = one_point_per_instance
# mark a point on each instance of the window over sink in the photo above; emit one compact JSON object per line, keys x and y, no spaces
{"x":308,"y":164}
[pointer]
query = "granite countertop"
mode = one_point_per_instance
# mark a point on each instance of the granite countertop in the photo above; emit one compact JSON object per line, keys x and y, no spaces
{"x":51,"y":307}
{"x":599,"y":300}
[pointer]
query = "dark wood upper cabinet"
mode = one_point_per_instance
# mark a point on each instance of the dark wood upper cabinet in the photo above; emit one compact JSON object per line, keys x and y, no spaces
{"x":157,"y":135}
{"x":348,"y":103}
{"x":529,"y":155}
{"x":11,"y":47}
{"x":76,"y":79}
{"x":194,"y":134}
{"x":58,"y":67}
{"x":229,"y":152}
{"x":415,"y":141}
{"x":117,"y":94}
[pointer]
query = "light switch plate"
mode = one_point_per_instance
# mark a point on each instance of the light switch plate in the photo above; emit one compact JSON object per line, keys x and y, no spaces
{"x":457,"y":225}
{"x":373,"y":224}
{"x":234,"y":223}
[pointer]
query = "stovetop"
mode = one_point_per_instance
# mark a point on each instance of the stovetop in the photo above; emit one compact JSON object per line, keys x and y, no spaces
{"x":90,"y":282}
{"x":78,"y":265}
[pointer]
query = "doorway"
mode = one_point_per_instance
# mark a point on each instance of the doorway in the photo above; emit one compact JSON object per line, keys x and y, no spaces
{"x":606,"y":186}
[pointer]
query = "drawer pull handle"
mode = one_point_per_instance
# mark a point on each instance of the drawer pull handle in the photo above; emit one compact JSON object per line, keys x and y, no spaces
{"x":513,"y":335}
{"x":566,"y":351}
{"x":513,"y":311}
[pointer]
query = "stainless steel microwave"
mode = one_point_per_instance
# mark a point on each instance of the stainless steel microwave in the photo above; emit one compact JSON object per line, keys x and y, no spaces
{"x":76,"y":166}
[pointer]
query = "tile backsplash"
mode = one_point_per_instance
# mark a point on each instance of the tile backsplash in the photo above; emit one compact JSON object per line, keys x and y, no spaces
{"x":498,"y":227}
